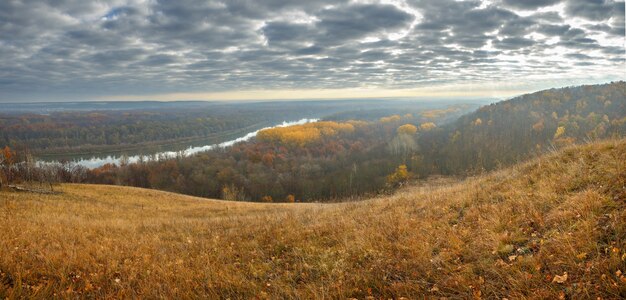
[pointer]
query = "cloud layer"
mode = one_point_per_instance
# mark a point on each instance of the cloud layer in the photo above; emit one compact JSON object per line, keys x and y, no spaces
{"x":76,"y":49}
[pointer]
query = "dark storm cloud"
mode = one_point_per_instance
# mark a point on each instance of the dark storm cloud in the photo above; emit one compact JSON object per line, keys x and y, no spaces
{"x":77,"y":49}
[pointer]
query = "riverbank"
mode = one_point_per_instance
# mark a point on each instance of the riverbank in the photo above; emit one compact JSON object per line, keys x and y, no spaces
{"x":98,"y":159}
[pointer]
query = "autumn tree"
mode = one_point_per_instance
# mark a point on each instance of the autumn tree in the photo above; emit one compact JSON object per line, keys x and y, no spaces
{"x":390,"y":119}
{"x":559,"y":132}
{"x":305,"y":134}
{"x":7,"y":158}
{"x":409,"y":129}
{"x":403,"y":144}
{"x":231,"y":192}
{"x":290,"y":198}
{"x":399,"y":176}
{"x":427,"y":126}
{"x":2,"y":162}
{"x":268,"y":159}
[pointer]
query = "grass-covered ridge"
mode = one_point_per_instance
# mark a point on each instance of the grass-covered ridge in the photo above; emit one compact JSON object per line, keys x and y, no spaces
{"x":508,"y":234}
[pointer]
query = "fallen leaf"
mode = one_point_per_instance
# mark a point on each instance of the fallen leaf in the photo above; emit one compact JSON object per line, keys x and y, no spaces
{"x":548,"y":277}
{"x":88,"y":286}
{"x":512,"y":257}
{"x":477,"y":294}
{"x":560,"y":278}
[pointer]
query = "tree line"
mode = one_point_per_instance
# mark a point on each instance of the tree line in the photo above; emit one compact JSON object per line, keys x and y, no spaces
{"x":104,"y":130}
{"x":337,"y":159}
{"x":317,"y":161}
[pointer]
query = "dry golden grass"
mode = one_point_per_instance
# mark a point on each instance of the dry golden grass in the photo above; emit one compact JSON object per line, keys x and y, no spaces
{"x":508,"y":234}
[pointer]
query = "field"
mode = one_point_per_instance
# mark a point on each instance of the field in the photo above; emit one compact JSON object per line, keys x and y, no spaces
{"x":550,"y":228}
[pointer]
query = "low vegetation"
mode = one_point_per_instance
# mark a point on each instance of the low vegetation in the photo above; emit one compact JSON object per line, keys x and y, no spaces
{"x":550,"y":228}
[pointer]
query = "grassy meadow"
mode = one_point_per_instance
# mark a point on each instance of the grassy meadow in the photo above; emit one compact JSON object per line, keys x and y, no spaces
{"x":554,"y":227}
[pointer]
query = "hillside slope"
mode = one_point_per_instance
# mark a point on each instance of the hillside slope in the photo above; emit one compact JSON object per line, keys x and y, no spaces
{"x":550,"y":228}
{"x":510,"y":131}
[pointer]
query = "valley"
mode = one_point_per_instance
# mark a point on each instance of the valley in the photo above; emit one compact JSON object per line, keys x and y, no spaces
{"x":318,"y":149}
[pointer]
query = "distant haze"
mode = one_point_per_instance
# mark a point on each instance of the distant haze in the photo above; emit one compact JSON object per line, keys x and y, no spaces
{"x":79,"y":50}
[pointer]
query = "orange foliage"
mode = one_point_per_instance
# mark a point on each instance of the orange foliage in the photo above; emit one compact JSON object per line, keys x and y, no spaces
{"x":436,"y":113}
{"x":268,"y":159}
{"x":389,"y":119}
{"x":427,"y":126}
{"x":539,"y":126}
{"x":290,"y":198}
{"x":407,"y":129}
{"x":358,"y":123}
{"x":8,"y":155}
{"x":302,"y":135}
{"x":399,"y":176}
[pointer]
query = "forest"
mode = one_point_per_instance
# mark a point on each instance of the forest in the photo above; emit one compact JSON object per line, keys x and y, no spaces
{"x":318,"y":161}
{"x":336,"y":159}
{"x":511,"y":131}
{"x":118,"y":126}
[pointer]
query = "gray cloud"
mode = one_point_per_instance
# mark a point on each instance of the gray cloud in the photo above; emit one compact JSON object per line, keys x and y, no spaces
{"x":356,"y":21}
{"x":597,"y":10}
{"x":513,"y":43}
{"x":77,"y":49}
{"x":529,"y":4}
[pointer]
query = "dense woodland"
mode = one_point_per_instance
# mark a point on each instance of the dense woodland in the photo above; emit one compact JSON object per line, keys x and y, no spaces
{"x":510,"y":131}
{"x":316,"y":161}
{"x":78,"y":130}
{"x":343,"y":158}
{"x":117,"y":127}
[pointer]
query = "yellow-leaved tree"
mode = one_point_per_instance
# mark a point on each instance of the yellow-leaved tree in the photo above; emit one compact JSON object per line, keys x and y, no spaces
{"x":409,"y":129}
{"x":559,"y":132}
{"x":393,"y":118}
{"x":399,"y":176}
{"x":427,"y":126}
{"x":305,"y":134}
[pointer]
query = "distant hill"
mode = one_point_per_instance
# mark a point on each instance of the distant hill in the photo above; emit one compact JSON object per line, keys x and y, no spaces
{"x":550,"y":228}
{"x":510,"y":131}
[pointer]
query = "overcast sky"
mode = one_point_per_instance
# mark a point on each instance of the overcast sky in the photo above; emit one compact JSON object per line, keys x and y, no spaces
{"x":57,"y":50}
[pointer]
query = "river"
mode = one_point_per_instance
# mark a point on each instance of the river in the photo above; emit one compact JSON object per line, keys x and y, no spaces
{"x":98,"y":161}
